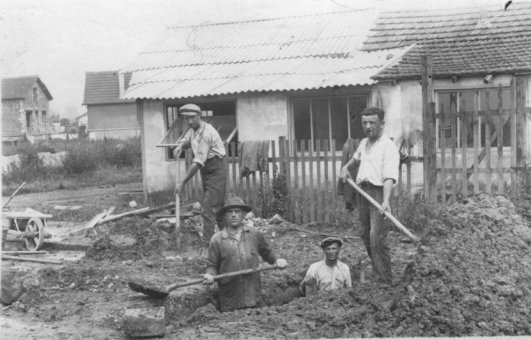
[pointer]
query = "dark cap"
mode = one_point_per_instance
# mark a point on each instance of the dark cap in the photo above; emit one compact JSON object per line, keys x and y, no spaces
{"x":189,"y":110}
{"x":330,"y":240}
{"x":233,"y":201}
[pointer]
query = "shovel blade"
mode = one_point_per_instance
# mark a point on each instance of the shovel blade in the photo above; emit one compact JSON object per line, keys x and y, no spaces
{"x":148,"y":289}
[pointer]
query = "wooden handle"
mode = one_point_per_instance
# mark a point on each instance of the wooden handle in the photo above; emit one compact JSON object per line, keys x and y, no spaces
{"x":177,"y":212}
{"x":219,"y":277}
{"x":13,"y":194}
{"x":27,"y":259}
{"x":386,"y":213}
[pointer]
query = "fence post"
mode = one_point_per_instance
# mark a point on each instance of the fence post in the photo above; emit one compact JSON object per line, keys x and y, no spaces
{"x":427,"y":72}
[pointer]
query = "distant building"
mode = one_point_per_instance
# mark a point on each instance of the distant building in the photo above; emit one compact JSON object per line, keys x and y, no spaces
{"x":107,"y":115}
{"x":25,"y":109}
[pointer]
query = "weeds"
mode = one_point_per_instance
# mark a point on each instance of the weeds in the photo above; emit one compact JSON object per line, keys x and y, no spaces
{"x":83,"y":163}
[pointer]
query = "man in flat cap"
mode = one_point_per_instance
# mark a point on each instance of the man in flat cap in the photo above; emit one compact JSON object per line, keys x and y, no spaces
{"x":378,"y":160}
{"x":327,"y":274}
{"x":209,"y":159}
{"x":238,"y":247}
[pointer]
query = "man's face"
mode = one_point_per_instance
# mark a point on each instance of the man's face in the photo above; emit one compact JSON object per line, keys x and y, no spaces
{"x":332,"y":252}
{"x":234,"y":217}
{"x":372,"y":126}
{"x":193,"y":121}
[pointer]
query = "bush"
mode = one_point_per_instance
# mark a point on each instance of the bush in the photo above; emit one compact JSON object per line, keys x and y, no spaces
{"x":30,"y":167}
{"x":80,"y":158}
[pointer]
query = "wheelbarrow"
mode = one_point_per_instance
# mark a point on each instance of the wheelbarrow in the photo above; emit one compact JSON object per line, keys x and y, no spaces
{"x":27,"y":224}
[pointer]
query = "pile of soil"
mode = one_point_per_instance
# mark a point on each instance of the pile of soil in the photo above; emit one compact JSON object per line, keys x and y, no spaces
{"x":137,"y":238}
{"x":470,"y":277}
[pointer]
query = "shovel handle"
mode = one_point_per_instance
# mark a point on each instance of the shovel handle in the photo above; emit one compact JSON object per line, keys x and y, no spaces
{"x":386,"y":213}
{"x":219,"y":277}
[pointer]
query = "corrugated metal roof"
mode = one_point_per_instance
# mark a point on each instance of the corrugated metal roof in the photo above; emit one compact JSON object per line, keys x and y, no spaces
{"x":19,"y":87}
{"x":465,"y":41}
{"x":279,"y":54}
{"x":103,"y":87}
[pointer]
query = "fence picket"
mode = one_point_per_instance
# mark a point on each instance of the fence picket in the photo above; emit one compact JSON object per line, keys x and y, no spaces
{"x":514,"y":146}
{"x":318,"y":163}
{"x":334,"y":177}
{"x":488,"y":123}
{"x":313,"y":206}
{"x":464,"y":151}
{"x":304,"y":188}
{"x":500,"y":141}
{"x":454,"y":155}
{"x":326,"y":214}
{"x":442,"y":141}
{"x":475,"y":129}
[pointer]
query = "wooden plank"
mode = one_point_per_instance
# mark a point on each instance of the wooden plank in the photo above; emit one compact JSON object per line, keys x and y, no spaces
{"x":319,"y":203}
{"x":296,"y":192}
{"x":233,"y":160}
{"x":325,"y":193}
{"x":464,"y":147}
{"x":488,"y":122}
{"x":501,"y":182}
{"x":475,"y":129}
{"x":334,"y":176}
{"x":303,"y":178}
{"x":313,"y":206}
{"x":454,"y":155}
{"x":274,"y":163}
{"x":426,"y":78}
{"x":514,"y":133}
{"x":442,"y":141}
{"x":408,"y":175}
{"x":29,"y":259}
{"x":432,"y":153}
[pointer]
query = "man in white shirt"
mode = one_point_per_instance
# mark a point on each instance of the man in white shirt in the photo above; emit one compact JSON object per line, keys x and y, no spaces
{"x":378,"y":159}
{"x":329,"y":273}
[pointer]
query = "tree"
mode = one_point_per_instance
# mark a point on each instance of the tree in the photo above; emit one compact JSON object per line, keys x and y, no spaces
{"x":64,"y":122}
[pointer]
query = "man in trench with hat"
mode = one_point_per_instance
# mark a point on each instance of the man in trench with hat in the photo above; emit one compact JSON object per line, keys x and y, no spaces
{"x":327,"y":274}
{"x":238,"y":247}
{"x":209,"y":158}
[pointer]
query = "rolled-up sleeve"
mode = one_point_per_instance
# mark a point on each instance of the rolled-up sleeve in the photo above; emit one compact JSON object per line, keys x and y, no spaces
{"x":391,"y":162}
{"x":265,"y":250}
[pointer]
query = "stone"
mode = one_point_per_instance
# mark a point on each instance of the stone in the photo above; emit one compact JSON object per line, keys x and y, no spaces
{"x":12,"y":287}
{"x":182,"y":302}
{"x":144,"y":322}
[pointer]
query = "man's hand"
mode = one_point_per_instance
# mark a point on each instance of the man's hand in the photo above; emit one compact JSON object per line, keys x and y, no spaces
{"x":179,"y":188}
{"x":281,"y":263}
{"x":385,"y":207}
{"x":344,"y":174}
{"x":209,"y":279}
{"x":177,"y":152}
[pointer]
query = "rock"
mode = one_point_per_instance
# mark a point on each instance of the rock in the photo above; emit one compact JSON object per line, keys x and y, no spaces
{"x":144,"y":322}
{"x":133,"y":204}
{"x":12,"y":287}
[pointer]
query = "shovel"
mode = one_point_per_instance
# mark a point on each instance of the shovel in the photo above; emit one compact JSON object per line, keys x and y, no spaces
{"x":393,"y":219}
{"x":158,"y":292}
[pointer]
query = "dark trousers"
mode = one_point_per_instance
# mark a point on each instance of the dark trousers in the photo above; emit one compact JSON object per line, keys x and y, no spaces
{"x":214,"y":178}
{"x":374,"y":232}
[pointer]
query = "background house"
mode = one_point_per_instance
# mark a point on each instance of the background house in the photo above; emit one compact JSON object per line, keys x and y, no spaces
{"x":107,"y":115}
{"x":481,"y":74}
{"x":25,"y":109}
{"x":297,"y":77}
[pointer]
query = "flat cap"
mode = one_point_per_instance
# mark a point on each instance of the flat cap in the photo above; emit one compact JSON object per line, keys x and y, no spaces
{"x":329,"y":240}
{"x":189,"y":110}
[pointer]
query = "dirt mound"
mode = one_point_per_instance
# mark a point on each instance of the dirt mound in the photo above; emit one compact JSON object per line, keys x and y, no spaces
{"x":470,"y":277}
{"x":138,"y":238}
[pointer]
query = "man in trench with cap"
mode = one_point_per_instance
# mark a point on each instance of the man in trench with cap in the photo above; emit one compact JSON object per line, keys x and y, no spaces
{"x":238,"y":247}
{"x":209,"y":158}
{"x":378,"y":160}
{"x":327,"y":274}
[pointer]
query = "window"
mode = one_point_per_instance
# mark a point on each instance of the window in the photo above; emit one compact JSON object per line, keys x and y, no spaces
{"x":43,"y":116}
{"x":221,"y":115}
{"x":328,"y":118}
{"x":467,"y":102}
{"x":35,"y":95}
{"x":28,"y":120}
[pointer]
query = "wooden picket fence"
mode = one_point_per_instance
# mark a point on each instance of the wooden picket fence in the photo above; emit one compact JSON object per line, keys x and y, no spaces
{"x":309,"y":173}
{"x":470,"y":152}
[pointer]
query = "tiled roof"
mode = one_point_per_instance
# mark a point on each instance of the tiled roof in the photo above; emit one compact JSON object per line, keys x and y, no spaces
{"x":103,"y":87}
{"x":465,"y":41}
{"x":19,"y":87}
{"x":279,"y":54}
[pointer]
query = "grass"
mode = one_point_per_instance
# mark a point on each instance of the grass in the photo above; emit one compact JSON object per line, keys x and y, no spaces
{"x":86,"y":163}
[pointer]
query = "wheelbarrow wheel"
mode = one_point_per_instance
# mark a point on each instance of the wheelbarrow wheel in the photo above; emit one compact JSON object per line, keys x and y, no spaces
{"x":34,"y":225}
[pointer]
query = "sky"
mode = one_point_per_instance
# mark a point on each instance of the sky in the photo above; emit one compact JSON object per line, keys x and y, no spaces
{"x":60,"y":40}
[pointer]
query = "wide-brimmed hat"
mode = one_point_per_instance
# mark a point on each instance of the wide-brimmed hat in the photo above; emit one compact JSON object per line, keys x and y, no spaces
{"x":330,"y":240}
{"x":189,"y":110}
{"x":233,"y":201}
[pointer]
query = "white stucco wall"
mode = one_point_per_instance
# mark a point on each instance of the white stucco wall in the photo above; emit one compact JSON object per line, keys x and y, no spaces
{"x":262,"y":116}
{"x":159,"y":174}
